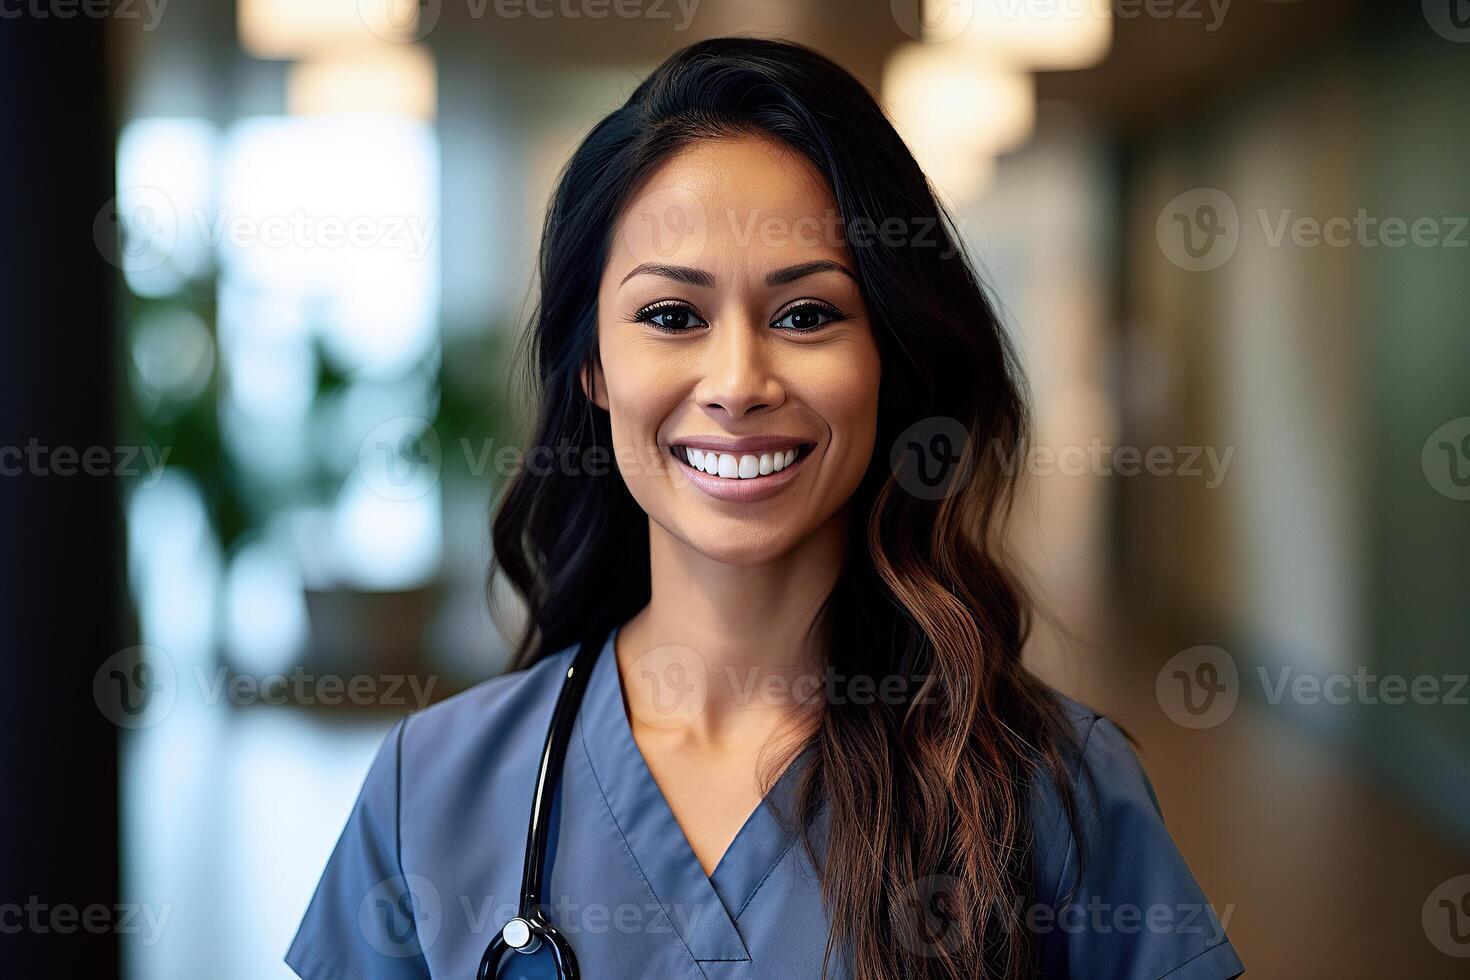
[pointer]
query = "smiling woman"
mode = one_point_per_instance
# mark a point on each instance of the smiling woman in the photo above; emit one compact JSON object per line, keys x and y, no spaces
{"x":802,"y":417}
{"x":745,"y":349}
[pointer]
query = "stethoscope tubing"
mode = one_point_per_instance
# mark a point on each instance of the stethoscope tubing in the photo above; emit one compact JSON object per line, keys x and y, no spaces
{"x":531,"y":928}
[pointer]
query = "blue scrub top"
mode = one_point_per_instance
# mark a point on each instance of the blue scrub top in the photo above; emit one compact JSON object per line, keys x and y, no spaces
{"x":428,"y":868}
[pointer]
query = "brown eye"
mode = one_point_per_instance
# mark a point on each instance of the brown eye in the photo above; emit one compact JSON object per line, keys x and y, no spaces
{"x":807,"y":317}
{"x":670,"y":317}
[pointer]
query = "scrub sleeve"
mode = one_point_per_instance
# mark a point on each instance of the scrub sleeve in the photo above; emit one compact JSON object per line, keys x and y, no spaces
{"x":365,"y":920}
{"x":1137,"y":913}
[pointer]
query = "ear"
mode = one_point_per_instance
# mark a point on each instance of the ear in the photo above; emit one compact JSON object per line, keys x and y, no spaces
{"x":594,"y":386}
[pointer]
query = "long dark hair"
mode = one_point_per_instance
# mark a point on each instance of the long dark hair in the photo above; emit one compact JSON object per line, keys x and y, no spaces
{"x":927,"y":859}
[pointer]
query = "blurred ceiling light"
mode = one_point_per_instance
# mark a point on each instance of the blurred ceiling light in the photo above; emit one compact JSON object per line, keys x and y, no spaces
{"x":395,"y":79}
{"x":957,"y":112}
{"x":288,"y":29}
{"x":1044,"y":35}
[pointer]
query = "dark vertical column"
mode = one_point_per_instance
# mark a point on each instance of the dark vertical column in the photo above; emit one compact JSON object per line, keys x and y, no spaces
{"x":59,"y":535}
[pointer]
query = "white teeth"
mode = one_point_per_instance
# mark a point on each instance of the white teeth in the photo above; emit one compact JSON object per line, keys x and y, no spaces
{"x":743,"y":467}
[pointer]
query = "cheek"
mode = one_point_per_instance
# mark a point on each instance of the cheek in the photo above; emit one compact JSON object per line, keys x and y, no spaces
{"x":847,"y":396}
{"x":642,"y":391}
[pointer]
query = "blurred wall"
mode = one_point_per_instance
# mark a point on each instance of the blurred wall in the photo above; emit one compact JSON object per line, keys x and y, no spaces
{"x":1324,"y":357}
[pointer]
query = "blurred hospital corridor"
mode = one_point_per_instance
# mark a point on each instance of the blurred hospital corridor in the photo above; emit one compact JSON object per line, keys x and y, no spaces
{"x":274,"y":265}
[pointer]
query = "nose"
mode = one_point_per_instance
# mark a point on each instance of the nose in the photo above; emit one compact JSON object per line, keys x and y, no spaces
{"x":738,"y":379}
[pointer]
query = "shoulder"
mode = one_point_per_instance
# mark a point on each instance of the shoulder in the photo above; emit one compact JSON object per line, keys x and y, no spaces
{"x":1113,"y":891}
{"x":500,"y":721}
{"x":492,"y":706}
{"x":491,"y":731}
{"x":1110,"y":790}
{"x":482,"y":741}
{"x":1054,"y":833}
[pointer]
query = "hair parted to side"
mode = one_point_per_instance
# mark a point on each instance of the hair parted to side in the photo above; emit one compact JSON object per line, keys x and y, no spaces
{"x":937,"y":788}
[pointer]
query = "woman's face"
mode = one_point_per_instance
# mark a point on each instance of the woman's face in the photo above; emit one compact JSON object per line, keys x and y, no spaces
{"x":738,"y":365}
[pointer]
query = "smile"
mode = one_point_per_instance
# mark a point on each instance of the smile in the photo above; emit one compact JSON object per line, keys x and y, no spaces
{"x":743,"y":471}
{"x":738,"y":466}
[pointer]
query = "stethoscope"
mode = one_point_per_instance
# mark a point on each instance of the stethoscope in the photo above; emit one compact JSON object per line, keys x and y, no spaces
{"x":530,"y":928}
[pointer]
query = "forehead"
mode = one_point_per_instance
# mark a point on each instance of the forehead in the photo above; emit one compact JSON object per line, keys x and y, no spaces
{"x":736,"y":202}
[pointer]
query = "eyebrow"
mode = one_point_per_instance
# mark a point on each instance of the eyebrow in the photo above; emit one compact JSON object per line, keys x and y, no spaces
{"x":699,"y":277}
{"x":678,"y":273}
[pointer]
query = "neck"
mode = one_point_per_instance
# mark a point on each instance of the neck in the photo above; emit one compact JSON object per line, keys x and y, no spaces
{"x":749,"y":630}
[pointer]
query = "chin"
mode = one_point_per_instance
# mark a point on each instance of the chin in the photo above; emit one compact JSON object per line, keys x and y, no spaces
{"x":733,"y":544}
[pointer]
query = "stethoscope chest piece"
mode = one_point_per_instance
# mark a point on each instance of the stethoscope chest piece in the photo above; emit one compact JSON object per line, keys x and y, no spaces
{"x":527,"y":934}
{"x":519,"y":936}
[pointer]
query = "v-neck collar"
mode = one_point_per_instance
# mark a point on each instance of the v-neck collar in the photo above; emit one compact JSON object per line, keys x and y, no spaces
{"x":703,"y":908}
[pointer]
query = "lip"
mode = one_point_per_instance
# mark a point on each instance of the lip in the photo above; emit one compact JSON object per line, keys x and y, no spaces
{"x":744,"y":444}
{"x":749,"y":490}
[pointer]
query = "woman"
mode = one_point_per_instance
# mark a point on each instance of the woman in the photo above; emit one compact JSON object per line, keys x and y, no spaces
{"x":766,"y":493}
